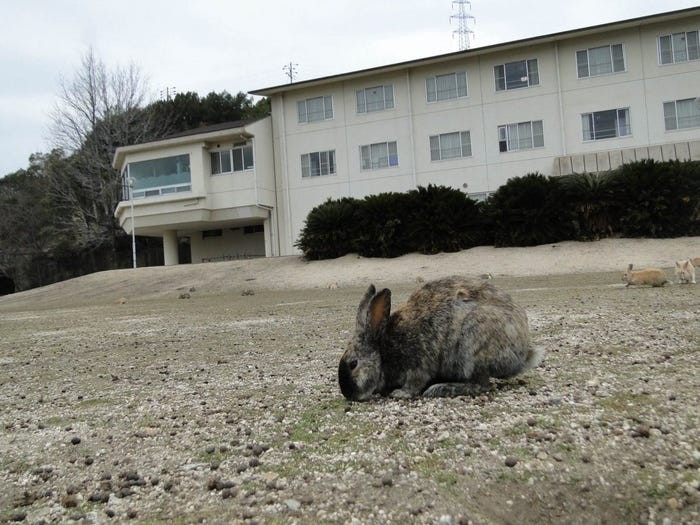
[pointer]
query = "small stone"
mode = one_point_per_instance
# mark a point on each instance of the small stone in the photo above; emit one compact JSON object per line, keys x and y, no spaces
{"x":69,"y":501}
{"x":292,"y":504}
{"x":387,"y":481}
{"x":131,"y":514}
{"x":89,"y":461}
{"x":531,"y":421}
{"x":210,"y":449}
{"x":110,"y":513}
{"x":511,"y":461}
{"x":75,"y":440}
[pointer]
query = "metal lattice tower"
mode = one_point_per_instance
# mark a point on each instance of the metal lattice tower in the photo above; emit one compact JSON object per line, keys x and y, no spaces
{"x":463,"y":19}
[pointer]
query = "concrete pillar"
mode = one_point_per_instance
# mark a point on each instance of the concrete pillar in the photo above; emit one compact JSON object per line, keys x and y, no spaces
{"x":170,"y":248}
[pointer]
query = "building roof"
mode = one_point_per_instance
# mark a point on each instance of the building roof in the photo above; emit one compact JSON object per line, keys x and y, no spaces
{"x":552,"y":37}
{"x":203,"y":133}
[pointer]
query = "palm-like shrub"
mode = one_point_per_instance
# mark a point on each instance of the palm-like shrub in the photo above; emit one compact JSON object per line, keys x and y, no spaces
{"x":590,"y":196}
{"x":443,"y":219}
{"x":330,"y":230}
{"x":657,"y":199}
{"x":531,"y":210}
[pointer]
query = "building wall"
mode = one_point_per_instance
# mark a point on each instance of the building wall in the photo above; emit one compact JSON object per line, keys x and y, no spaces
{"x":232,"y":244}
{"x":559,"y":101}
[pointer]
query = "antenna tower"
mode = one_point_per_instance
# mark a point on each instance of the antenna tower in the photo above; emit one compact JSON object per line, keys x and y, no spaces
{"x":463,"y":19}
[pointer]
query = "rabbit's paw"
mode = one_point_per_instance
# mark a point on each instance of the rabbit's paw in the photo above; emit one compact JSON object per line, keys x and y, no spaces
{"x":400,"y":393}
{"x":456,"y":389}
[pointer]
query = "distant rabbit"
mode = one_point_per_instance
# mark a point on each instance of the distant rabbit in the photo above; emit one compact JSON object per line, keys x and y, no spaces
{"x":451,"y":336}
{"x":685,"y":271}
{"x":650,"y":276}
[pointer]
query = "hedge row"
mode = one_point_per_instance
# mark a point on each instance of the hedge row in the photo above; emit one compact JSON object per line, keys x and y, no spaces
{"x":642,"y":199}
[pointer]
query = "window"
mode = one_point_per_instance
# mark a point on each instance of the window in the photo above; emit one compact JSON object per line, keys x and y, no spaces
{"x":679,"y":47}
{"x":606,"y":124}
{"x":523,"y":135}
{"x":380,"y":155}
{"x":514,"y":75}
{"x":315,"y":109}
{"x":207,"y":234}
{"x":318,"y":163}
{"x":376,"y":98}
{"x":156,"y":177}
{"x":450,"y":145}
{"x":600,"y":61}
{"x":445,"y":87}
{"x":249,"y":230}
{"x":239,"y":158}
{"x":682,"y":114}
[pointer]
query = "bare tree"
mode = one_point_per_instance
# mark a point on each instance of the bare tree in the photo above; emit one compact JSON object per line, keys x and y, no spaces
{"x":98,"y":110}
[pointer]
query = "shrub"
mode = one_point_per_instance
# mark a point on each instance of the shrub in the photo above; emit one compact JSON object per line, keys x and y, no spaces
{"x":656,"y":199}
{"x":330,"y":229}
{"x":531,"y":210}
{"x":443,"y":219}
{"x":590,"y":196}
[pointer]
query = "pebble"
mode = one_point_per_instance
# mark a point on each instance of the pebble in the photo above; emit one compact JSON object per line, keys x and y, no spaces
{"x":292,"y":504}
{"x":511,"y":461}
{"x":75,"y":440}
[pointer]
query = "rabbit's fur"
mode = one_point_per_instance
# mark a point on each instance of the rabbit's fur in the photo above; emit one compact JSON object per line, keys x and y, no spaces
{"x":685,"y":271}
{"x":649,"y":276}
{"x":451,"y":336}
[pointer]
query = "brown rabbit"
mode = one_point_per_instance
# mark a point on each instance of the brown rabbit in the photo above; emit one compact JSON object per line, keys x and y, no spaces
{"x":451,"y":336}
{"x":649,"y":276}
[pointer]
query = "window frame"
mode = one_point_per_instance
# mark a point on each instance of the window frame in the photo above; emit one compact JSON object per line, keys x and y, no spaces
{"x":238,"y":155}
{"x":460,"y":91}
{"x":307,"y":166}
{"x":506,"y":132}
{"x":303,"y":116}
{"x":593,"y":134}
{"x":440,"y":152}
{"x":388,"y":100}
{"x":528,"y":62}
{"x":694,"y":101}
{"x":612,"y":71}
{"x":391,"y":157}
{"x":673,"y":52}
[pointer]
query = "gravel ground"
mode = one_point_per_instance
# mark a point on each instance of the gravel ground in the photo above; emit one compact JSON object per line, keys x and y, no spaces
{"x":223,"y":407}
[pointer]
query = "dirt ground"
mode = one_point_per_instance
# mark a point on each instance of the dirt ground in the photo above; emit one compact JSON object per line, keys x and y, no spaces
{"x":192,"y":404}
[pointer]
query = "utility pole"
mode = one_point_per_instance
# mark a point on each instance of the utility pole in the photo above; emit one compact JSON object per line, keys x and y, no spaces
{"x":290,"y":70}
{"x":463,"y":19}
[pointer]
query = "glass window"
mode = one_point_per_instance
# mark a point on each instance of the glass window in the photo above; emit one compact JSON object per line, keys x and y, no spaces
{"x":679,"y":47}
{"x":606,"y":124}
{"x":160,"y":176}
{"x":315,"y":109}
{"x":446,"y":87}
{"x":520,"y":136}
{"x":600,"y":61}
{"x":514,"y":75}
{"x":318,"y":163}
{"x":450,"y":145}
{"x":376,"y":98}
{"x":682,"y":114}
{"x":380,"y":155}
{"x":238,"y":158}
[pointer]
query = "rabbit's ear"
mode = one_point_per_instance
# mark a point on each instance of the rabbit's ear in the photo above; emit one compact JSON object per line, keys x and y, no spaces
{"x":364,"y":304}
{"x":378,"y":312}
{"x":629,"y":267}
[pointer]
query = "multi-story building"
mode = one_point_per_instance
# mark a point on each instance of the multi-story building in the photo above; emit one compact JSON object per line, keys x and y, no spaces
{"x":583,"y":100}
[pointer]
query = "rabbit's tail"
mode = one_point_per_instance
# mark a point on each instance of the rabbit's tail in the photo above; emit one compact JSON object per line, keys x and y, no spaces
{"x":534,"y":357}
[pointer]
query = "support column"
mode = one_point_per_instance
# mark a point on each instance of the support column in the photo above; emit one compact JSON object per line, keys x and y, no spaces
{"x":170,"y":248}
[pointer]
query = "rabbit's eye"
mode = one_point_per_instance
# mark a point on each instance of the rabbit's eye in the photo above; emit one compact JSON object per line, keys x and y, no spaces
{"x":353,"y":364}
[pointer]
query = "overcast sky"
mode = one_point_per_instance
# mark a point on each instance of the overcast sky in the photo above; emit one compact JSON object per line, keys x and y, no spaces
{"x":236,"y":45}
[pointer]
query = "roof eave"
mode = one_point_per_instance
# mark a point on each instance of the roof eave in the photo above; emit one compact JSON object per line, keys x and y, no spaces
{"x":562,"y":35}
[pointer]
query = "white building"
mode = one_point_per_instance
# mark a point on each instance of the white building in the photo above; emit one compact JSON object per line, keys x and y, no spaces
{"x":582,"y":100}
